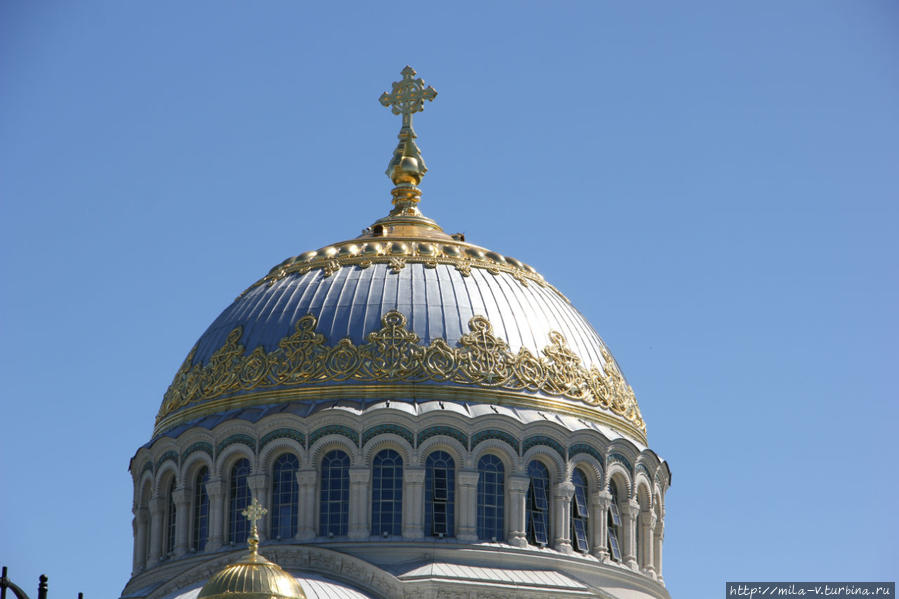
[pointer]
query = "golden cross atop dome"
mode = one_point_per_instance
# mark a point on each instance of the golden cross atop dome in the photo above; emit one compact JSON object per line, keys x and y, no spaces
{"x":407,"y":167}
{"x":408,"y":95}
{"x":254,"y":512}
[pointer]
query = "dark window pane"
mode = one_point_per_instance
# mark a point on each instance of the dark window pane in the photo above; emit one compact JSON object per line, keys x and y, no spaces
{"x":440,"y":496}
{"x":491,"y":498}
{"x":334,"y":497}
{"x":537,"y":505}
{"x":387,"y":485}
{"x":238,"y":500}
{"x":285,"y":497}
{"x":580,"y":535}
{"x":201,"y":510}
{"x":613,"y":545}
{"x":170,"y":524}
{"x":615,"y":514}
{"x":538,"y":528}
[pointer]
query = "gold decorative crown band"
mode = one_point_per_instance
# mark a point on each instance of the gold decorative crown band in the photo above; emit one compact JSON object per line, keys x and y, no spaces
{"x":393,"y":355}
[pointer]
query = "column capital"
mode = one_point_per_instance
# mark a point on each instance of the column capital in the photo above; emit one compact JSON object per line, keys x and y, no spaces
{"x":360,"y":474}
{"x":157,"y":504}
{"x":306,"y":477}
{"x":468,"y":478}
{"x":564,"y":490}
{"x":415,"y":476}
{"x":629,"y":509}
{"x":519,"y":482}
{"x":215,"y":487}
{"x":181,"y":496}
{"x":601,"y":498}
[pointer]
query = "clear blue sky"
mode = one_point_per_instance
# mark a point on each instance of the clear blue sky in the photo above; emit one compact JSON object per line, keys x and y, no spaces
{"x":713,"y":184}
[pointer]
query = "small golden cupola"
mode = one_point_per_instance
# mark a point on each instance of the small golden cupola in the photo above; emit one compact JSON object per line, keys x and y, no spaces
{"x":252,"y":576}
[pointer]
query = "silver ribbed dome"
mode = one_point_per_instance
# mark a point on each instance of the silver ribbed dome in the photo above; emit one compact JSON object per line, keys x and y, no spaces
{"x":437,"y":302}
{"x":407,"y":318}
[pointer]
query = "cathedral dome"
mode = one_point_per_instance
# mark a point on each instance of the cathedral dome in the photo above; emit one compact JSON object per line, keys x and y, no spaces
{"x":403,"y":312}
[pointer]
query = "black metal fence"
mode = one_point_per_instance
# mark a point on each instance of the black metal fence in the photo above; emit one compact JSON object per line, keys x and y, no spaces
{"x":6,"y":583}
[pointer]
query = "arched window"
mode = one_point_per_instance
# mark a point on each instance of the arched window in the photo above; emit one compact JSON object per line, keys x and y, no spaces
{"x":538,"y":503}
{"x":614,"y":523}
{"x":491,"y":498}
{"x":440,"y":494}
{"x":579,"y":511}
{"x":170,"y":520}
{"x":334,"y":500}
{"x":201,"y":510}
{"x":387,"y":493}
{"x":238,"y":500}
{"x":285,"y":496}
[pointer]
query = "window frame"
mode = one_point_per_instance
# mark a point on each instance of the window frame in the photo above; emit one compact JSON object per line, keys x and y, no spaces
{"x":487,"y":523}
{"x":446,"y":504}
{"x":199,"y":534}
{"x":387,"y":493}
{"x":339,"y":506}
{"x":537,"y":505}
{"x":238,"y":483}
{"x":281,"y":497}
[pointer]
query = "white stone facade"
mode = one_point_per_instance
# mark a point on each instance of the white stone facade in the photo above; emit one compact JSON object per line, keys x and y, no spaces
{"x":165,"y":473}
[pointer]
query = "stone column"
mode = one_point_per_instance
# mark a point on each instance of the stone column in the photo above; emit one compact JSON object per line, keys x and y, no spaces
{"x":413,"y":503}
{"x":215,"y":489}
{"x":648,"y":520}
{"x":659,"y":534}
{"x":181,"y":497}
{"x":599,"y":522}
{"x":157,"y":510}
{"x":360,"y":523}
{"x":140,"y":524}
{"x":629,"y":512}
{"x":518,"y":488}
{"x":561,"y":512}
{"x":467,"y":500}
{"x":257,"y":482}
{"x":306,"y":500}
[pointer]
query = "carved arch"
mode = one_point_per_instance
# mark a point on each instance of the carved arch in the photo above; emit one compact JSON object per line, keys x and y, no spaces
{"x":591,"y":467}
{"x":278,"y":447}
{"x":390,"y":441}
{"x":447,"y":444}
{"x":329,"y":443}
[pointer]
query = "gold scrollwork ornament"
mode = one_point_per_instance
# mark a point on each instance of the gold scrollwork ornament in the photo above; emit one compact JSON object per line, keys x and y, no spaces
{"x":393,"y":354}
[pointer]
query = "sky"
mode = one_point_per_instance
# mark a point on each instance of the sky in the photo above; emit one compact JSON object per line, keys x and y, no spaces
{"x":714,"y":185}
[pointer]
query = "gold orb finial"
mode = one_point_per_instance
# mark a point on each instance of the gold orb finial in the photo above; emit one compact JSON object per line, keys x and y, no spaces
{"x":407,"y":166}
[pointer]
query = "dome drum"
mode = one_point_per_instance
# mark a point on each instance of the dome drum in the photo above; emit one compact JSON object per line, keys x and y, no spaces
{"x":517,"y":437}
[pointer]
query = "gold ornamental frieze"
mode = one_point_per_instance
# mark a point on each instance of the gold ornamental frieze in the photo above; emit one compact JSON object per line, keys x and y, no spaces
{"x":397,"y":254}
{"x":393,"y":354}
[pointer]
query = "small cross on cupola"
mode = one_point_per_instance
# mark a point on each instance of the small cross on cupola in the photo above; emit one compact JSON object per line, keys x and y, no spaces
{"x":254,"y":512}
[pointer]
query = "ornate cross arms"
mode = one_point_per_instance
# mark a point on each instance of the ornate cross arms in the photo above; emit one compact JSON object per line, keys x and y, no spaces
{"x":408,"y":96}
{"x":254,"y":512}
{"x":407,"y":167}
